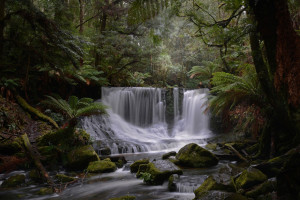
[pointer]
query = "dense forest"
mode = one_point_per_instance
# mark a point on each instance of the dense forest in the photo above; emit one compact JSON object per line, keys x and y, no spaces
{"x":57,"y":55}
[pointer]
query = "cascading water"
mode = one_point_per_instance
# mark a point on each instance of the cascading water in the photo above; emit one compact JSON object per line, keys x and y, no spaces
{"x":136,"y":120}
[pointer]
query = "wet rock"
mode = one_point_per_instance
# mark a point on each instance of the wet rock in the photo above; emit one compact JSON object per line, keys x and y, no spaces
{"x":168,"y":155}
{"x":120,"y":161}
{"x":249,"y":178}
{"x":10,"y":147}
{"x":64,"y":178}
{"x":124,"y":198}
{"x":214,"y":183}
{"x":211,"y":146}
{"x":289,"y":177}
{"x":105,"y":151}
{"x":79,"y":158}
{"x":134,"y":167}
{"x":102,"y":166}
{"x":221,"y":195}
{"x":192,"y":155}
{"x":14,"y":181}
{"x":171,"y":185}
{"x":272,"y":167}
{"x":157,"y":172}
{"x":264,"y":188}
{"x":45,"y":191}
{"x":35,"y":176}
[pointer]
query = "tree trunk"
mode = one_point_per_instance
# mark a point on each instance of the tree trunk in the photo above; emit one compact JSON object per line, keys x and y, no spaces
{"x":279,"y":72}
{"x":81,"y":20}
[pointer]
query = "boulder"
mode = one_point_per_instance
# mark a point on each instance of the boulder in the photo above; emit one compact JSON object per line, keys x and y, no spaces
{"x":168,"y":155}
{"x":124,"y":198}
{"x":45,"y":191}
{"x":101,"y":166}
{"x":171,"y":185}
{"x":211,"y":146}
{"x":35,"y":176}
{"x":120,"y":161}
{"x":264,"y":188}
{"x":214,"y":183}
{"x":79,"y":158}
{"x":157,"y":172}
{"x":221,"y":195}
{"x":134,"y":167}
{"x":105,"y":151}
{"x":14,"y":181}
{"x":64,"y":178}
{"x":192,"y":155}
{"x":249,"y":178}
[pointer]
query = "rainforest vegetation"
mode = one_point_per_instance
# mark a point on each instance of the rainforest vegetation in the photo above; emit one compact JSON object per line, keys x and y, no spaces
{"x":56,"y":55}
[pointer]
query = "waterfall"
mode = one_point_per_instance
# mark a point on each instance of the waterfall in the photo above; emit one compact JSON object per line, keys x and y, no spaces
{"x":135,"y":120}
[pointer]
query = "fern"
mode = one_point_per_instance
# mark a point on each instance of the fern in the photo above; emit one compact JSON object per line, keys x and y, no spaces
{"x":74,"y":107}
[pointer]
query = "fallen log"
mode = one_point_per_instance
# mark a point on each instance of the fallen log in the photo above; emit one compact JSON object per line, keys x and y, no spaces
{"x":38,"y":163}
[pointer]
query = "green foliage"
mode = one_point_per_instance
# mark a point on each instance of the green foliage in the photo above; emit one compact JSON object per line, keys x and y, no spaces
{"x":229,"y":89}
{"x":74,"y":107}
{"x":146,"y":177}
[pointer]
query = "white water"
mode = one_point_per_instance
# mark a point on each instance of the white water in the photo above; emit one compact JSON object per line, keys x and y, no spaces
{"x":136,"y":120}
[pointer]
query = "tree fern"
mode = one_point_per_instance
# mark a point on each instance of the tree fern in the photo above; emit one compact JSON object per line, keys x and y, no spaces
{"x":74,"y":107}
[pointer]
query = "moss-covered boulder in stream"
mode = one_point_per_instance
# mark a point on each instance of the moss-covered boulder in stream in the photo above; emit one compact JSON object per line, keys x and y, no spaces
{"x":249,"y":178}
{"x":101,"y":166}
{"x":80,"y":157}
{"x":213,"y":183}
{"x":62,"y":178}
{"x":192,"y":155}
{"x":134,"y":167}
{"x":157,"y":172}
{"x":14,"y":181}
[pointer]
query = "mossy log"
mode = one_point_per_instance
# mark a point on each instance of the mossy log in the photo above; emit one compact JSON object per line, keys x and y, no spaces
{"x":37,"y":162}
{"x":34,"y":111}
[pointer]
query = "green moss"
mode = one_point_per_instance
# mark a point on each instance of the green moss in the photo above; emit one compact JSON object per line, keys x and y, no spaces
{"x":63,"y":178}
{"x":192,"y":155}
{"x":79,"y":158}
{"x":10,"y":147}
{"x":169,"y":154}
{"x":124,"y":198}
{"x":35,"y":176}
{"x":45,"y":191}
{"x":157,"y":177}
{"x":211,"y":146}
{"x":56,"y":137}
{"x":14,"y":181}
{"x":171,"y":184}
{"x":264,"y":188}
{"x":236,"y":197}
{"x":102,"y":166}
{"x":34,"y":111}
{"x":252,"y":149}
{"x":134,"y":167}
{"x":208,"y":185}
{"x":249,"y":178}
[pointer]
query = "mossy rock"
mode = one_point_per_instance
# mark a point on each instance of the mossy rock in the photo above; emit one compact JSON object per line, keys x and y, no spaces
{"x":168,"y":155}
{"x":211,"y":184}
{"x":249,"y":178}
{"x":124,"y":198}
{"x":35,"y":176}
{"x":171,"y":185}
{"x":211,"y":146}
{"x":264,"y":188}
{"x":63,"y":178}
{"x":49,"y":154}
{"x":14,"y":181}
{"x":45,"y":191}
{"x":252,"y":149}
{"x":79,"y":158}
{"x":102,"y":166}
{"x":157,"y":172}
{"x":192,"y":155}
{"x":134,"y":167}
{"x":221,"y":195}
{"x":56,"y":137}
{"x":10,"y":147}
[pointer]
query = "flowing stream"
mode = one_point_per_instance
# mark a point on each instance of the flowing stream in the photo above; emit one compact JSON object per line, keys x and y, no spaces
{"x":136,"y":127}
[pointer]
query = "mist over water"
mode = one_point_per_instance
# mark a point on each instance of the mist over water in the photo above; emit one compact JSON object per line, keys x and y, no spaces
{"x":136,"y":120}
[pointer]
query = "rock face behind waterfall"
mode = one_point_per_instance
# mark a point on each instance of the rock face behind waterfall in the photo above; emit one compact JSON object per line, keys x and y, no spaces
{"x":192,"y":155}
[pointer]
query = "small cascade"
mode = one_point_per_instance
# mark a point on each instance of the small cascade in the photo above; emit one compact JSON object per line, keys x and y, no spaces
{"x":135,"y":120}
